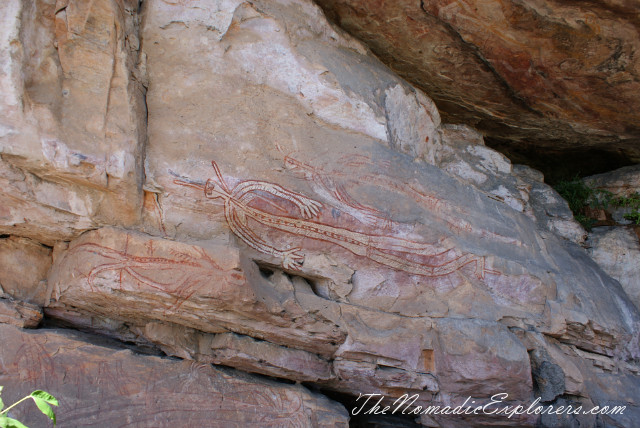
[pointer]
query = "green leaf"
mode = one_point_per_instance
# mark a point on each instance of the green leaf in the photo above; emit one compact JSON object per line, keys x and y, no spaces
{"x":1,"y":403}
{"x":45,"y":396}
{"x":6,"y":422}
{"x":45,"y":408}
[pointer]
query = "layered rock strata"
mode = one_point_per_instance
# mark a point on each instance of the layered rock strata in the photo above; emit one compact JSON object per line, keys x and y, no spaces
{"x":101,"y":384}
{"x":289,"y":207}
{"x":553,"y":83}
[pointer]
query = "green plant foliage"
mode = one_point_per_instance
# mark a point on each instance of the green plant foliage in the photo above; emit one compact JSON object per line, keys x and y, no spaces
{"x":576,"y":193}
{"x":633,"y":216}
{"x":6,"y":422}
{"x":633,"y":202}
{"x":579,"y":196}
{"x":43,"y":400}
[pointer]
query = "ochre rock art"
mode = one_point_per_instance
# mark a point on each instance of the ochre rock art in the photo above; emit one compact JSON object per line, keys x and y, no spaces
{"x":326,"y":166}
{"x":396,"y":253}
{"x":325,"y":186}
{"x":180,"y":276}
{"x":135,"y":389}
{"x":331,"y":186}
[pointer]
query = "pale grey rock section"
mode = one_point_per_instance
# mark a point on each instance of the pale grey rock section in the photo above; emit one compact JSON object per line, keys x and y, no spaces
{"x":617,"y":251}
{"x":543,"y":204}
{"x":621,"y":182}
{"x":616,"y":248}
{"x":464,"y":155}
{"x":552,"y":212}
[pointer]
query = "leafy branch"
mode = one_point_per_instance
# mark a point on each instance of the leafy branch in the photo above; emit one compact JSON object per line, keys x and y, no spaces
{"x":43,"y":400}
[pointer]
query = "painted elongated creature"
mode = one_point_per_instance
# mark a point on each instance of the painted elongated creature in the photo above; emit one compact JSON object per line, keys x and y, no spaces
{"x":387,"y":250}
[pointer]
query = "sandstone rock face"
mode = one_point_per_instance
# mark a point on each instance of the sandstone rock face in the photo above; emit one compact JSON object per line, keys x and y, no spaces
{"x":560,"y":77}
{"x":19,"y":313}
{"x":102,"y":385}
{"x":71,"y":117}
{"x":581,"y":371}
{"x":547,"y":207}
{"x":617,"y":250}
{"x":621,"y":182}
{"x":299,"y":212}
{"x":24,"y":266}
{"x":464,"y":155}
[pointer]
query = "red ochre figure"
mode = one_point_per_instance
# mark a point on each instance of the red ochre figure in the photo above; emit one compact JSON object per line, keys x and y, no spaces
{"x":195,"y":270}
{"x":326,"y":185}
{"x":379,"y":248}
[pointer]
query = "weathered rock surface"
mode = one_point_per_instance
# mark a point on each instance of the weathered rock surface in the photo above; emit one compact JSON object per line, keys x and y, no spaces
{"x":546,"y":206}
{"x":72,"y":117}
{"x":589,"y":379}
{"x":98,"y":384}
{"x":621,"y":182}
{"x":617,"y":251}
{"x":464,"y":155}
{"x":19,"y":313}
{"x":616,"y":248}
{"x":304,"y":215}
{"x":554,"y":77}
{"x":24,"y":266}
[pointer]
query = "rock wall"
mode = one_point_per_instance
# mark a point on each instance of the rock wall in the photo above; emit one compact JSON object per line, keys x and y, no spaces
{"x":103,"y":384}
{"x":240,"y":183}
{"x":554,"y":83}
{"x":615,"y":244}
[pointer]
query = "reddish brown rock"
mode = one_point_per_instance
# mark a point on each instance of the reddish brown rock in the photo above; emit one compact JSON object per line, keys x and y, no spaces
{"x":108,"y":386}
{"x":304,"y":213}
{"x":252,"y":355}
{"x":72,"y":117}
{"x":536,"y":76}
{"x":24,"y":265}
{"x":241,"y":352}
{"x":394,"y":252}
{"x":186,"y":299}
{"x":18,"y":313}
{"x":211,"y":288}
{"x":144,"y":289}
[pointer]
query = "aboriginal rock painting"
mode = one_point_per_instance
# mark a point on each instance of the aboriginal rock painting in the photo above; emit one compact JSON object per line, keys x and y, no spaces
{"x":332,"y":187}
{"x":27,"y":353}
{"x":181,"y":275}
{"x":242,"y":215}
{"x":261,"y":405}
{"x":123,"y":382}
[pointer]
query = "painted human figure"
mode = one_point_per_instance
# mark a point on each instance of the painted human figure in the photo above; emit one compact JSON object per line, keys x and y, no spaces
{"x":386,"y":250}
